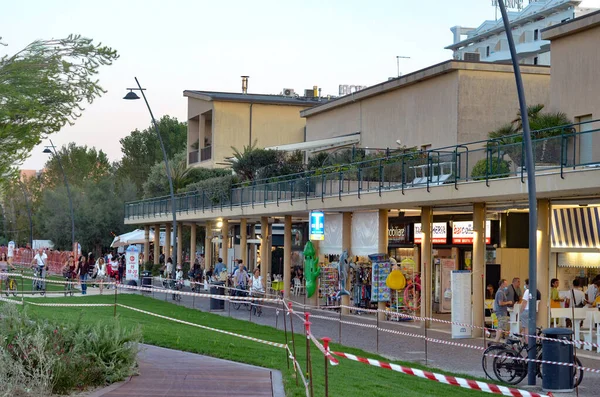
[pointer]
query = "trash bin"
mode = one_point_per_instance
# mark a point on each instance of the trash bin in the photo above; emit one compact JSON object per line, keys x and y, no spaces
{"x":217,"y":289}
{"x":557,"y":378}
{"x":147,"y":279}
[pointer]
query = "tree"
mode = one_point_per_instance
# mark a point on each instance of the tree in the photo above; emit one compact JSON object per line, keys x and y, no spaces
{"x":157,"y":183}
{"x":17,"y":197}
{"x":141,"y":149}
{"x":252,"y":163}
{"x":42,"y":88}
{"x":81,"y":164}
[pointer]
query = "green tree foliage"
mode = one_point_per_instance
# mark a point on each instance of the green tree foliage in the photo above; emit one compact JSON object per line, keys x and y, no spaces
{"x":141,"y":149}
{"x":42,"y":88}
{"x":214,"y":189}
{"x":496,"y":168}
{"x":81,"y":165}
{"x":252,"y":163}
{"x":157,"y":183}
{"x":17,"y":197}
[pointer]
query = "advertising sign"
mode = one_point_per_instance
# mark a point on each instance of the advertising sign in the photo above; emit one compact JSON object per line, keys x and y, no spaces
{"x":132,"y":266}
{"x":461,"y":303}
{"x":438,"y":236}
{"x":317,"y":225}
{"x":448,"y":265}
{"x":397,"y":234}
{"x":462,"y":232}
{"x":11,"y":249}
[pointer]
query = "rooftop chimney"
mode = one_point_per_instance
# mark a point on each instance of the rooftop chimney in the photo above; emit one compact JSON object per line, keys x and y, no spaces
{"x":245,"y":84}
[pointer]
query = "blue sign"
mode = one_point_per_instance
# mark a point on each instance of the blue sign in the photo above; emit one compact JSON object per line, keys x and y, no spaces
{"x":317,"y":225}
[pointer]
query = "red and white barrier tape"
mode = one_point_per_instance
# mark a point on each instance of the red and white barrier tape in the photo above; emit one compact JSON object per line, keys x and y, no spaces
{"x":446,"y":379}
{"x":13,"y":301}
{"x":298,"y":371}
{"x":332,"y":360}
{"x":280,"y":345}
{"x":519,"y":358}
{"x":52,"y":281}
{"x":71,"y":304}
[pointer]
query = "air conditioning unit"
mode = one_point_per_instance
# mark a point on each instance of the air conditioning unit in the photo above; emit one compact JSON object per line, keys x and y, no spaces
{"x":471,"y":56}
{"x":288,"y":92}
{"x":309,"y":93}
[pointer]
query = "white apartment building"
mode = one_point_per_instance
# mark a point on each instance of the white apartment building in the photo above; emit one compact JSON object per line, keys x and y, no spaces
{"x":488,"y":42}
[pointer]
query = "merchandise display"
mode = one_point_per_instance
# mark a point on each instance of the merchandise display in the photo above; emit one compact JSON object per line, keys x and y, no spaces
{"x":381,"y":268}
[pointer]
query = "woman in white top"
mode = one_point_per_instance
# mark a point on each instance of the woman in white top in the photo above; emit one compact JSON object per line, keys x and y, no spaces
{"x":257,"y":288}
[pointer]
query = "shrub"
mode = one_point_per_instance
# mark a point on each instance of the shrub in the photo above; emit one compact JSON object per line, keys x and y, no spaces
{"x":41,"y":358}
{"x":498,"y":168}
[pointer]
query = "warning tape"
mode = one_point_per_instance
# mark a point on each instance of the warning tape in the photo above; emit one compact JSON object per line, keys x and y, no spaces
{"x":52,"y":281}
{"x":298,"y":370}
{"x":71,"y":304}
{"x":446,"y":379}
{"x":16,"y":302}
{"x":280,"y":345}
{"x":519,"y":358}
{"x":332,"y":360}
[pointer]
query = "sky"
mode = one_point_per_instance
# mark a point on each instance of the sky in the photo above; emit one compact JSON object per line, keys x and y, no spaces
{"x":177,"y":45}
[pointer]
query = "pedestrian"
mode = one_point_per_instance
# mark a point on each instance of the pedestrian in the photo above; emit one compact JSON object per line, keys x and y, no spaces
{"x":220,"y":267}
{"x":84,"y":270}
{"x":592,"y":290}
{"x":527,"y":297}
{"x":501,"y":304}
{"x":121,"y":268}
{"x":555,"y":298}
{"x":514,"y":291}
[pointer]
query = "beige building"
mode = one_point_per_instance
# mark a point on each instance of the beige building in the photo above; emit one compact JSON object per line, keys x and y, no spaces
{"x":446,"y":104}
{"x":219,"y":120}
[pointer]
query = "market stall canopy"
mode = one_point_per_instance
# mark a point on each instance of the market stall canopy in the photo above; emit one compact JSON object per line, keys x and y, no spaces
{"x":134,"y":237}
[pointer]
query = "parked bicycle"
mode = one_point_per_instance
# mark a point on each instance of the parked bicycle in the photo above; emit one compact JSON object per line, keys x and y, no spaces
{"x":38,"y":284}
{"x":11,"y":286}
{"x":69,"y":283}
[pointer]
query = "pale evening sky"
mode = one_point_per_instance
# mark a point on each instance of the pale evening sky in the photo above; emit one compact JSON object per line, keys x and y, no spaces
{"x":176,"y":45}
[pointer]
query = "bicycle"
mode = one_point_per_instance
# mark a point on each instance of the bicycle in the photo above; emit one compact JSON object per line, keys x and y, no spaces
{"x":241,"y":291}
{"x":175,"y":286}
{"x":11,"y":287}
{"x":38,"y":281}
{"x":69,"y":284}
{"x":255,"y":305}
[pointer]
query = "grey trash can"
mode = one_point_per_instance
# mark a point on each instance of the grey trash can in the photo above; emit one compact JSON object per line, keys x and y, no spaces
{"x":216,"y":289}
{"x":147,"y":279}
{"x":557,"y":378}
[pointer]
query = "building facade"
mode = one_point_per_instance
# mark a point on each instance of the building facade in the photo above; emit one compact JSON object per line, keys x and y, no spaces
{"x":488,"y":43}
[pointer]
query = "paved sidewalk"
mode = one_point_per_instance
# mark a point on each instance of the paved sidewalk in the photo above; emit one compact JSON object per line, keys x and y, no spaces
{"x":173,"y":373}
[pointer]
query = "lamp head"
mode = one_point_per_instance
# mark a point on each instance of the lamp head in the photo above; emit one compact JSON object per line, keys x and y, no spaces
{"x":131,"y":95}
{"x":47,"y":151}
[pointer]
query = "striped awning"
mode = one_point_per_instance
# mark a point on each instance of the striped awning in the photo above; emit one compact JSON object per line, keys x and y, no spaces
{"x":576,"y":227}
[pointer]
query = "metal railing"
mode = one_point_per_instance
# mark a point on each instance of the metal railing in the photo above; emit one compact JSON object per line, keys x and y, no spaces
{"x":205,"y":153}
{"x":556,"y":150}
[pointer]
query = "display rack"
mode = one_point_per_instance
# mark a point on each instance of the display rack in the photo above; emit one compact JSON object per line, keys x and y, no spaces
{"x":329,"y":285}
{"x":361,"y":286}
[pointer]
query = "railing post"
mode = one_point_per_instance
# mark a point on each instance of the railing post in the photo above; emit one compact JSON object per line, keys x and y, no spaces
{"x":488,"y":160}
{"x":340,"y":185}
{"x":278,"y":193}
{"x":359,"y":181}
{"x":522,"y":158}
{"x":323,"y":187}
{"x":307,"y":189}
{"x":253,"y":194}
{"x":265,"y":194}
{"x":403,"y":173}
{"x":291,"y":192}
{"x":380,"y":177}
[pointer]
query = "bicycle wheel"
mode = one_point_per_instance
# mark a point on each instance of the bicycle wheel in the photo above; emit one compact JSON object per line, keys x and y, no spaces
{"x":487,"y":362}
{"x":508,"y":369}
{"x":577,"y":372}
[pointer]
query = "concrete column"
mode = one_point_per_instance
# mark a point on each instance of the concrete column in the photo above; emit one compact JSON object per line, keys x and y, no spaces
{"x":270,"y":249}
{"x":167,"y":241}
{"x":382,"y":247}
{"x":543,"y":261}
{"x":287,"y":256}
{"x":264,"y":247}
{"x":180,"y":245}
{"x":225,"y":242}
{"x":192,"y":244}
{"x":426,"y":260}
{"x":347,"y":245}
{"x":146,"y":244}
{"x":244,"y":243}
{"x":478,"y":267}
{"x":252,"y":248}
{"x":156,"y":243}
{"x":208,"y":246}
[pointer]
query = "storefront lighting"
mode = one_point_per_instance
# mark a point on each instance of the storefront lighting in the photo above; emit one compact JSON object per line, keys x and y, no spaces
{"x":219,"y":224}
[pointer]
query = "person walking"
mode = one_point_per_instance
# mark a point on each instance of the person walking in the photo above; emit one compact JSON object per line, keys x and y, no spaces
{"x":501,"y":304}
{"x":84,"y":270}
{"x":257,"y":288}
{"x":514,"y":291}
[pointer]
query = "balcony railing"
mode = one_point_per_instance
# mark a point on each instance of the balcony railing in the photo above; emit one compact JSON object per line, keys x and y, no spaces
{"x":555,"y":150}
{"x":193,"y":157}
{"x":205,"y":153}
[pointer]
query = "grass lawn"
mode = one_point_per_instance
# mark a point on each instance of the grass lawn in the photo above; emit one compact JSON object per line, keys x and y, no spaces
{"x":348,"y":378}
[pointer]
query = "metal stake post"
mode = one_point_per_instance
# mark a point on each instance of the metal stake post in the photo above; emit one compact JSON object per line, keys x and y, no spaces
{"x":289,"y":313}
{"x":326,"y":341}
{"x":286,"y":335}
{"x":308,"y":363}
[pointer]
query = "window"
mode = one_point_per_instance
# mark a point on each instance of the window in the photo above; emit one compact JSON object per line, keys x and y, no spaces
{"x":535,"y":60}
{"x":536,"y":35}
{"x":487,"y":51}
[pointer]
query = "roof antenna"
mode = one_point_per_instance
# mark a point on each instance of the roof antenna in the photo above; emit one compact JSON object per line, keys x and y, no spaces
{"x":245,"y":84}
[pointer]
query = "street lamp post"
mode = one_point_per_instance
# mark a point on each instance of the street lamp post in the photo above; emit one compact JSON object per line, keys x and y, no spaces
{"x":28,"y":213}
{"x":53,"y":151}
{"x":530,"y":165}
{"x":132,"y":96}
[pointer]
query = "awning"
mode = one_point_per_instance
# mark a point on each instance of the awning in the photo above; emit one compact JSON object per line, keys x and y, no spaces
{"x":321,"y":144}
{"x":576,"y":228}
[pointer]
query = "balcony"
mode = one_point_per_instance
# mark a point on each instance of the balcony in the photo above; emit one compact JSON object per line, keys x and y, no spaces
{"x":203,"y":154}
{"x":556,"y":152}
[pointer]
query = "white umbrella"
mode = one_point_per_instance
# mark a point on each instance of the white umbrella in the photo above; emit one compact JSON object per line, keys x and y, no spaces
{"x":135,"y":237}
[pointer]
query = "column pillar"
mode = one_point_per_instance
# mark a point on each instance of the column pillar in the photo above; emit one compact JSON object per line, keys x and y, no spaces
{"x":287,"y":256}
{"x":252,"y":248}
{"x":478,"y":267}
{"x":347,"y":245}
{"x":192,"y":244}
{"x":382,"y":247}
{"x":426,"y":259}
{"x":180,"y":245}
{"x":264,"y":247}
{"x":543,"y":261}
{"x":167,"y":241}
{"x":156,"y":243}
{"x":225,"y":242}
{"x":208,"y":246}
{"x":146,"y":244}
{"x":244,"y":243}
{"x":270,"y":249}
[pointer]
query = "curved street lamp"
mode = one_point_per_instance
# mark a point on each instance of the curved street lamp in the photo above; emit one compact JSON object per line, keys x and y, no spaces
{"x":55,"y":154}
{"x":131,"y":95}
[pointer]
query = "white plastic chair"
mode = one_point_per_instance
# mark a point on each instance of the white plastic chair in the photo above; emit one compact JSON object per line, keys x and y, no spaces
{"x":298,"y":287}
{"x":586,"y":330}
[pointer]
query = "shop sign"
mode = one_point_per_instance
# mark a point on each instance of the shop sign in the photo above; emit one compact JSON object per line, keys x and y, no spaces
{"x":438,"y":236}
{"x":132,"y":263}
{"x":317,"y":225}
{"x":397,"y":234}
{"x":462,"y":232}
